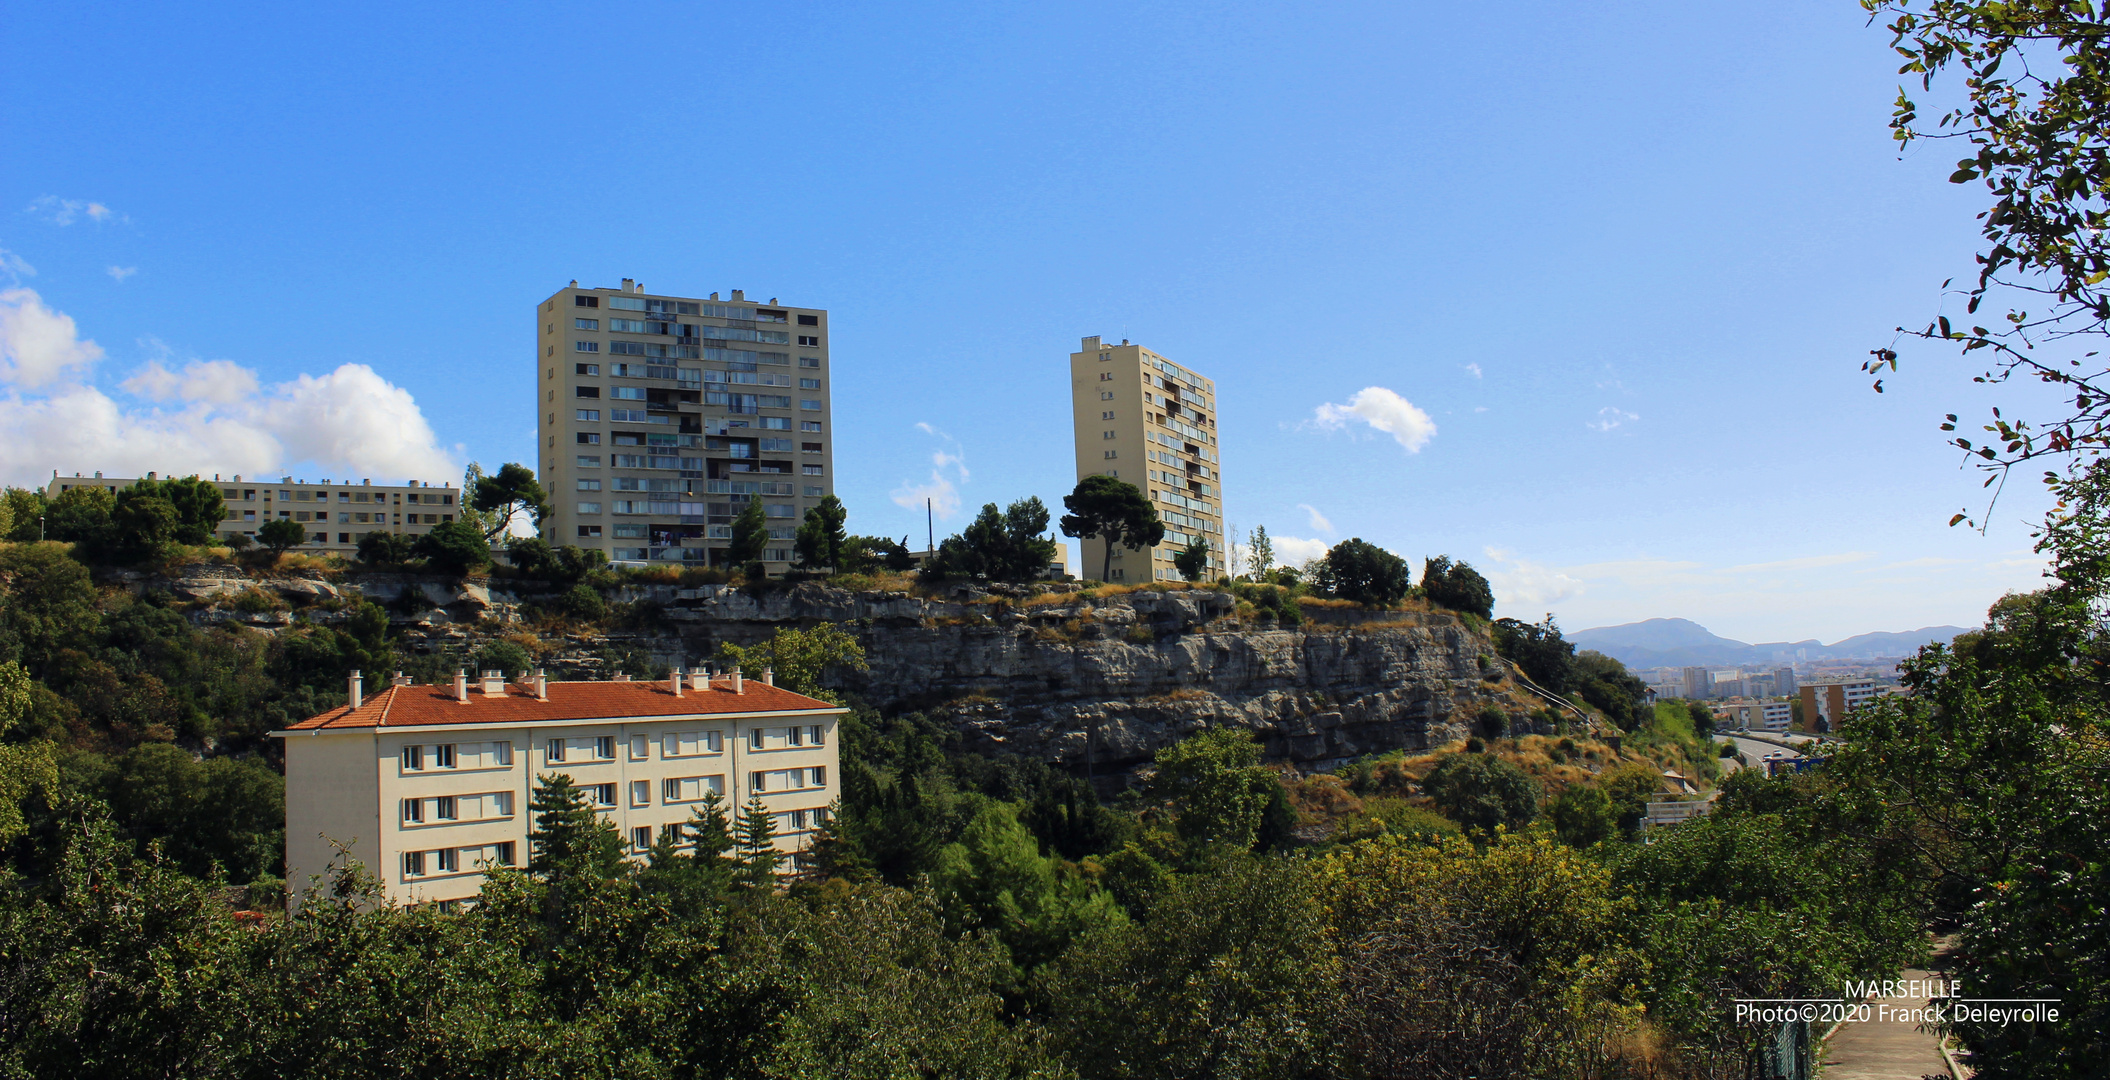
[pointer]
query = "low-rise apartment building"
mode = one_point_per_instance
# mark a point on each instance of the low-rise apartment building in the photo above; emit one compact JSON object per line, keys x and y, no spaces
{"x":1756,"y":715}
{"x":336,"y":514}
{"x":425,"y":785}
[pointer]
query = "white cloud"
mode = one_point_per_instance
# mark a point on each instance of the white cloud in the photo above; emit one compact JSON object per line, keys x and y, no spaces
{"x":1295,"y":551}
{"x":12,"y":265}
{"x":1384,"y":410}
{"x":948,"y":470}
{"x":119,"y":273}
{"x":1519,"y":582}
{"x":208,"y":416}
{"x":59,"y":211}
{"x":1318,"y":520}
{"x":37,"y":344}
{"x":1474,"y":368}
{"x":1610,"y":417}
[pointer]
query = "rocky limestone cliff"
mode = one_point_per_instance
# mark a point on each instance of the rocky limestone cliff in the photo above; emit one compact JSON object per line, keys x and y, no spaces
{"x":1095,"y":683}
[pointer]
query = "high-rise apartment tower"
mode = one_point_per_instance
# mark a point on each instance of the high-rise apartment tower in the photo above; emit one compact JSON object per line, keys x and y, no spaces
{"x":1142,"y":418}
{"x":661,"y":417}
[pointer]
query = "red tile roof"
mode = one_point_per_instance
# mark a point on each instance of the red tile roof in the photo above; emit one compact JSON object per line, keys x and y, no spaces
{"x":413,"y":706}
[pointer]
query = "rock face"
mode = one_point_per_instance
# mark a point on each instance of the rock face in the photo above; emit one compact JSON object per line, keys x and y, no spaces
{"x":1098,"y":684}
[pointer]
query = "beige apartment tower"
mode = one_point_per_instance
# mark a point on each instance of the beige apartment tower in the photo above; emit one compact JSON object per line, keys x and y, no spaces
{"x":661,"y":417}
{"x":1142,"y":418}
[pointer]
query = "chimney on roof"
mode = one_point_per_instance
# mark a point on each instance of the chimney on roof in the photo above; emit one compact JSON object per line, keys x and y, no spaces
{"x":737,"y":688}
{"x":400,"y":680}
{"x":461,"y":685}
{"x":621,"y":676}
{"x":739,"y":294}
{"x":676,"y":681}
{"x":494,"y":683}
{"x":541,"y":685}
{"x":769,"y":676}
{"x":356,"y":688}
{"x":627,"y":283}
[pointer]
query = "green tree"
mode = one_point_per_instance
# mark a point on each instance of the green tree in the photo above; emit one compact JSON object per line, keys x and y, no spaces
{"x":510,"y":493}
{"x":1457,"y":586}
{"x":26,"y":511}
{"x":1004,"y":546}
{"x":280,"y":535}
{"x":2034,"y":112}
{"x":1260,"y":554}
{"x":1193,"y":560}
{"x":798,"y":657}
{"x":453,"y":547}
{"x":994,"y":878}
{"x":757,"y":856}
{"x":568,"y":841}
{"x":1215,"y":779}
{"x":25,"y":767}
{"x":1365,"y":573}
{"x":820,"y":537}
{"x":1603,"y":682}
{"x":750,"y":535}
{"x":1545,"y":657}
{"x":143,"y":521}
{"x":1112,"y":511}
{"x":863,"y":554}
{"x":81,"y":515}
{"x":47,"y":607}
{"x":379,"y":548}
{"x":1582,"y":815}
{"x":199,"y":506}
{"x":1482,"y":791}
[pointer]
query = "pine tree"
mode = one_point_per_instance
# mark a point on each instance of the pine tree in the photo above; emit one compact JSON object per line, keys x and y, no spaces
{"x":759,"y":857}
{"x":568,"y":840}
{"x":710,"y":832}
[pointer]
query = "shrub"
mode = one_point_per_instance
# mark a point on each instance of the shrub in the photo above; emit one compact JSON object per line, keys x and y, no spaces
{"x":1457,"y":586}
{"x":1365,"y":573}
{"x":1481,"y":791}
{"x":583,"y":602}
{"x":1140,"y":634}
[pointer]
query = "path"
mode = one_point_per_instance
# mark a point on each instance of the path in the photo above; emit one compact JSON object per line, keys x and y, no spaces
{"x":1884,"y":1049}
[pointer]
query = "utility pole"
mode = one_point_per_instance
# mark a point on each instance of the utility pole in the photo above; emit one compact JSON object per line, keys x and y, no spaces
{"x":931,"y":523}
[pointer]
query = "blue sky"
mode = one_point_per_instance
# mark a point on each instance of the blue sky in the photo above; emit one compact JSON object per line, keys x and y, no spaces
{"x":1625,"y":259}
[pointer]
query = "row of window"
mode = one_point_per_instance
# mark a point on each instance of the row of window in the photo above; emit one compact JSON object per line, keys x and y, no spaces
{"x":581,"y":748}
{"x":691,"y":307}
{"x":344,"y":517}
{"x":451,"y":860}
{"x":436,"y":498}
{"x":782,"y":823}
{"x":492,"y":804}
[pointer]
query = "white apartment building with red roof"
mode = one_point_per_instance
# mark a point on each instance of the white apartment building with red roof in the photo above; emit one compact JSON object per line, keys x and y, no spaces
{"x":427,"y":784}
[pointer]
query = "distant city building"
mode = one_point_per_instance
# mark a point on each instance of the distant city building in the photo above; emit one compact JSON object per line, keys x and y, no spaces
{"x":336,"y":515}
{"x":1696,"y":682}
{"x":1784,"y":680}
{"x":1142,"y":418}
{"x":1831,"y":699}
{"x":663,"y":417}
{"x":1757,"y":715}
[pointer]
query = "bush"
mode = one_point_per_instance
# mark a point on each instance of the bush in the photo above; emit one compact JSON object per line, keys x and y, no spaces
{"x":1480,"y":791}
{"x":384,"y":549}
{"x":453,"y":547}
{"x":583,"y":602}
{"x":1457,"y":586}
{"x":1365,"y":573}
{"x":502,"y":655}
{"x":1492,"y":722}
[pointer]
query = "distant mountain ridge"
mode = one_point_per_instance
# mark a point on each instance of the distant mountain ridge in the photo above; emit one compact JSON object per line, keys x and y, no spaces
{"x":1684,"y":643}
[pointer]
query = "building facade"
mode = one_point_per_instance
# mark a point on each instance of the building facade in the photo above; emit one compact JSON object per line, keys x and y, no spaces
{"x":425,"y":785}
{"x":1830,"y":700}
{"x":335,"y":514}
{"x":662,"y":417}
{"x":1142,"y":418}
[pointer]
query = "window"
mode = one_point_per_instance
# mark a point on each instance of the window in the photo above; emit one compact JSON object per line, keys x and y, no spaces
{"x":604,"y":748}
{"x":449,"y":859}
{"x":413,"y":811}
{"x":640,"y":792}
{"x":626,"y":303}
{"x":809,"y":384}
{"x":586,"y":301}
{"x":587,"y":369}
{"x":627,"y":393}
{"x":589,"y":438}
{"x":589,"y":461}
{"x":817,"y":776}
{"x":413,"y":864}
{"x":413,"y":758}
{"x":630,"y":532}
{"x":641,"y":837}
{"x":810,"y":404}
{"x":754,"y":739}
{"x":810,"y":426}
{"x":1111,"y":454}
{"x":795,"y":736}
{"x":443,"y":756}
{"x":758,"y":782}
{"x":504,"y":857}
{"x":344,"y":538}
{"x":815,"y":491}
{"x":815,"y":732}
{"x":586,"y":346}
{"x":556,"y":750}
{"x":591,"y":416}
{"x":1108,"y":415}
{"x":586,"y":324}
{"x":588,"y":391}
{"x":589,"y":508}
{"x":1106,"y":376}
{"x":627,"y":326}
{"x":691,"y":743}
{"x":627,"y":348}
{"x":1106,"y":395}
{"x":589,"y":485}
{"x":809,"y":320}
{"x":640,"y":747}
{"x":809,"y":361}
{"x":811,"y":341}
{"x":603,"y":794}
{"x":589,"y":532}
{"x":443,"y":809}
